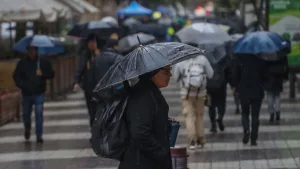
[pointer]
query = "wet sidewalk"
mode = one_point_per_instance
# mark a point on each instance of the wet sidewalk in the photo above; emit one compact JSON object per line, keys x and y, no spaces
{"x":66,"y":137}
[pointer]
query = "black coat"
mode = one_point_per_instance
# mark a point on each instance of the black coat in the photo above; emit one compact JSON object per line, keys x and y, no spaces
{"x":26,"y":79}
{"x":274,"y":81}
{"x":250,"y":74}
{"x":147,"y":116}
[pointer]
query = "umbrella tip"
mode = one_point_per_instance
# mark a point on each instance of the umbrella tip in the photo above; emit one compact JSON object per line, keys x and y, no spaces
{"x":138,"y":38}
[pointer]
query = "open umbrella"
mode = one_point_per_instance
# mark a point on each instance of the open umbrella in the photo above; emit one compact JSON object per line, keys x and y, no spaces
{"x":100,"y":28}
{"x":214,"y":51}
{"x":110,"y":20}
{"x":46,"y":45}
{"x":77,"y":30}
{"x":204,"y":32}
{"x":259,"y":42}
{"x":134,"y":8}
{"x":146,"y":59}
{"x":129,"y":42}
{"x":132,"y":22}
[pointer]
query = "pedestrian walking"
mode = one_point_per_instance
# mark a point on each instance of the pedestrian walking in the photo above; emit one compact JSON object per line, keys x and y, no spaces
{"x":217,"y":91}
{"x":249,"y":78}
{"x":277,"y":73}
{"x":30,"y":76}
{"x":192,"y":76}
{"x":84,"y":75}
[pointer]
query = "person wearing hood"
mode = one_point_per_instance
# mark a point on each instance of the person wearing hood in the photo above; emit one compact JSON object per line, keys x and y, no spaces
{"x":148,"y":129}
{"x":84,"y":75}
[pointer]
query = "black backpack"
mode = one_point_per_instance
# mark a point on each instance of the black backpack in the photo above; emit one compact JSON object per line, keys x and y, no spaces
{"x":218,"y":78}
{"x":110,"y":136}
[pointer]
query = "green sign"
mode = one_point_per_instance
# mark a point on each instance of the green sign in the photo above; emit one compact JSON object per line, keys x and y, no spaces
{"x":284,"y":18}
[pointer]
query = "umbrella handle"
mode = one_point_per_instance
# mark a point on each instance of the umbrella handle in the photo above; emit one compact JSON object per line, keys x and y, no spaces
{"x":139,"y":40}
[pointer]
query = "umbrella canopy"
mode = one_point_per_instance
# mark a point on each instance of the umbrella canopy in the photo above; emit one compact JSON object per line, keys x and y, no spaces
{"x":214,"y":52}
{"x":77,"y":30}
{"x":153,"y":29}
{"x":129,"y":42}
{"x":100,"y":28}
{"x":131,"y":23}
{"x":204,"y":32}
{"x":134,"y":8}
{"x":259,"y":42}
{"x":163,"y":9}
{"x":146,"y":59}
{"x":46,"y":44}
{"x":110,"y":20}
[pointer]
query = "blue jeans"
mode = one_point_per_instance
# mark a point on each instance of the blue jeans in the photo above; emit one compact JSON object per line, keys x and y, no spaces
{"x":38,"y":102}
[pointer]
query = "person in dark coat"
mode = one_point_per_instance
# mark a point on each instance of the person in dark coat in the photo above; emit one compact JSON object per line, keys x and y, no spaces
{"x":277,"y":73}
{"x":31,"y":75}
{"x":84,"y":75}
{"x":218,"y":97}
{"x":249,"y":78}
{"x":104,"y":61}
{"x":147,"y":116}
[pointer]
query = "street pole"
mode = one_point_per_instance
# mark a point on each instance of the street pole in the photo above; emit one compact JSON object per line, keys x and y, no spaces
{"x":267,"y":14}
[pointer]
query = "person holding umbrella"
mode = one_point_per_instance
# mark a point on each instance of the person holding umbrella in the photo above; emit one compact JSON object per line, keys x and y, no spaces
{"x":253,"y":50}
{"x":30,"y":76}
{"x":84,"y":75}
{"x":147,"y":145}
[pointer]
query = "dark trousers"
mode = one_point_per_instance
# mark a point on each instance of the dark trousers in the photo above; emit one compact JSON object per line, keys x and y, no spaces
{"x":251,"y":106}
{"x":92,"y":107}
{"x":218,"y":102}
{"x":38,"y":101}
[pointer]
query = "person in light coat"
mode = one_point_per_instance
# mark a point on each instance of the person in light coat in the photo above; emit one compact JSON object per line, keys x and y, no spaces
{"x":193,"y":98}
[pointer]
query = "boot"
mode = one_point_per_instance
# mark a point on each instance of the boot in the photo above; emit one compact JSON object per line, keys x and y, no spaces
{"x":272,"y":116}
{"x":27,"y":135}
{"x":246,"y":137}
{"x":39,"y":139}
{"x":213,"y":127}
{"x":221,"y":124}
{"x":277,"y":116}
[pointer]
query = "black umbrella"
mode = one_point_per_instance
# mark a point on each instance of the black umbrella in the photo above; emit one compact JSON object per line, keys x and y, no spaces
{"x":77,"y":30}
{"x":152,"y":29}
{"x":146,"y":59}
{"x":214,"y":52}
{"x":129,"y":42}
{"x":100,"y":28}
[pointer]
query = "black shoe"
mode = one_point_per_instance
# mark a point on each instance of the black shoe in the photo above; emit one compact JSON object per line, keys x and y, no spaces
{"x":39,"y":139}
{"x":253,"y":143}
{"x":213,"y":128}
{"x":272,"y":116}
{"x":237,"y":111}
{"x":277,"y":116}
{"x":27,"y":135}
{"x":246,"y":138}
{"x":221,"y":125}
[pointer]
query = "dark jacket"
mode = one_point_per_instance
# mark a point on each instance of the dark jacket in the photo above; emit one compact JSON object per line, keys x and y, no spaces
{"x":250,"y":74}
{"x":103,"y":63}
{"x":147,"y":117}
{"x":26,"y":79}
{"x":275,"y":80}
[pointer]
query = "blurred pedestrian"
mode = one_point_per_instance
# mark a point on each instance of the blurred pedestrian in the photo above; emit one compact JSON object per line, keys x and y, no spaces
{"x":249,"y":78}
{"x":30,"y":76}
{"x":192,"y":76}
{"x":277,"y":73}
{"x":84,"y":75}
{"x":217,"y":91}
{"x":104,"y":61}
{"x":149,"y":131}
